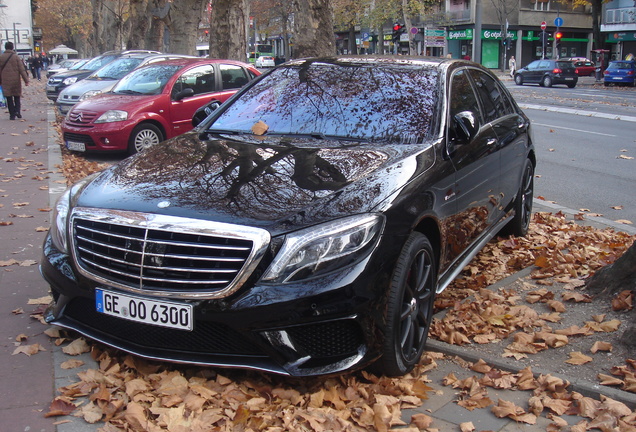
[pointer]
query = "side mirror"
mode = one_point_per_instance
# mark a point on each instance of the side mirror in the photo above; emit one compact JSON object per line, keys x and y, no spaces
{"x":203,"y":112}
{"x":187,"y":92}
{"x":465,"y":126}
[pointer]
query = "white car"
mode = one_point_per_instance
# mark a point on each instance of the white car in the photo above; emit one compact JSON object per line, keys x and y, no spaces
{"x":264,"y":61}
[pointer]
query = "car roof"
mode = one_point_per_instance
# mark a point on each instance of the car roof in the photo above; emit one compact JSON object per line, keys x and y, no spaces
{"x":198,"y":60}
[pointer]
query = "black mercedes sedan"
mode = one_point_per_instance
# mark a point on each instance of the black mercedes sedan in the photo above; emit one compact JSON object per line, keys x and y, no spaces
{"x":305,"y":226}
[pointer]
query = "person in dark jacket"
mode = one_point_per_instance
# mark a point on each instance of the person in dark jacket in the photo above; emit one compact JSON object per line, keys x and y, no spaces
{"x":11,"y":70}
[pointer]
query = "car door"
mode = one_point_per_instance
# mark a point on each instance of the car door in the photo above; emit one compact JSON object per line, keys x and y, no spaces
{"x":202,"y":80}
{"x":530,"y":74}
{"x":472,"y":149}
{"x":512,"y":138}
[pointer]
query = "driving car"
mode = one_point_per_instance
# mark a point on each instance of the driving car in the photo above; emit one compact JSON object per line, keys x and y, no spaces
{"x":300,"y":229}
{"x":58,"y":82}
{"x":64,"y":65}
{"x":620,"y":72}
{"x":584,"y":67}
{"x":264,"y":61}
{"x":102,"y":80}
{"x":151,"y":103}
{"x":547,"y":72}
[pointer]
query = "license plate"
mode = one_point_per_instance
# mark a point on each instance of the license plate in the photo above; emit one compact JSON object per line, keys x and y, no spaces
{"x":50,"y":88}
{"x":569,"y":79}
{"x":76,"y":146}
{"x":143,"y":310}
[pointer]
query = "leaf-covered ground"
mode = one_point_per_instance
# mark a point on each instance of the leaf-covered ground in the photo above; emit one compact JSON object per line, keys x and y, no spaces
{"x":523,"y":319}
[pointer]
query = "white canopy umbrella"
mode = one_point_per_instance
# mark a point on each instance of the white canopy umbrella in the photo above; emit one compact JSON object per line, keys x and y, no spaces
{"x":62,"y":50}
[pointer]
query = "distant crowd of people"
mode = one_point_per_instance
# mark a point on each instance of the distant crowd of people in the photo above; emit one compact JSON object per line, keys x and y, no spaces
{"x":35,"y":64}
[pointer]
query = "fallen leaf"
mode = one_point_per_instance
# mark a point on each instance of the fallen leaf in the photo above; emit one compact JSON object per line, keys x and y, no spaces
{"x":578,"y":358}
{"x":45,"y":300}
{"x":77,"y":347}
{"x":60,"y":407}
{"x":259,"y":128}
{"x":466,"y":427}
{"x":601,"y":346}
{"x":71,"y":364}
{"x":29,"y":350}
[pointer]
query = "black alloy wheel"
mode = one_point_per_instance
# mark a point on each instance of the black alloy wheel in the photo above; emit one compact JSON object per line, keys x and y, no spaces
{"x":518,"y":79}
{"x":547,"y":81}
{"x":409,"y":307}
{"x":519,"y":224}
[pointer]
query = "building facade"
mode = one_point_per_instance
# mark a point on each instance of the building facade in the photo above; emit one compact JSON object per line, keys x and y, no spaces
{"x":619,"y":27}
{"x":16,"y":25}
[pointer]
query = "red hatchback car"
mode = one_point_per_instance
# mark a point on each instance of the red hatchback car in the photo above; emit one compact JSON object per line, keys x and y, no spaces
{"x":152,"y":103}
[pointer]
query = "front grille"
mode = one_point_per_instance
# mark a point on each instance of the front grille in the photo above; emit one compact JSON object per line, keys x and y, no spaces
{"x":206,"y":337}
{"x":331,"y":339}
{"x":164,"y":255}
{"x":80,"y":118}
{"x":86,"y":139}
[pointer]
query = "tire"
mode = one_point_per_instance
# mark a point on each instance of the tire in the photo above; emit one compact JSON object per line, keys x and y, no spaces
{"x":606,"y":84}
{"x":546,"y":81}
{"x":143,"y":136}
{"x":572,"y":85}
{"x":519,"y":224}
{"x":518,"y":79}
{"x":409,"y":307}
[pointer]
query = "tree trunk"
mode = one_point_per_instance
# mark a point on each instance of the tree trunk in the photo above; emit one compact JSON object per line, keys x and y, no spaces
{"x":228,"y":29}
{"x":183,"y":21}
{"x":313,"y":28}
{"x":614,"y":279}
{"x":137,"y":25}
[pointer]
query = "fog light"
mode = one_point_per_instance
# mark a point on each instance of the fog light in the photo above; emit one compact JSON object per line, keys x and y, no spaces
{"x":106,"y":141}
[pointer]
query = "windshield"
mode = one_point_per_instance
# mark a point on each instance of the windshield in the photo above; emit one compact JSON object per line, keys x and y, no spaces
{"x":395,"y":103}
{"x":117,"y":69}
{"x":147,"y":80}
{"x":79,"y":64}
{"x":99,"y":62}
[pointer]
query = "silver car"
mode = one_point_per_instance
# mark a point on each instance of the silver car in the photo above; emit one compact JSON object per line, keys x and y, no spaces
{"x":102,"y":80}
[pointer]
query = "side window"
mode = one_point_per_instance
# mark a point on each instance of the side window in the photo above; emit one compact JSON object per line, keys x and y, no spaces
{"x":534,"y":65}
{"x":233,"y":76}
{"x":494,"y":101}
{"x":200,"y":80}
{"x":544,"y":64}
{"x":463,"y":101}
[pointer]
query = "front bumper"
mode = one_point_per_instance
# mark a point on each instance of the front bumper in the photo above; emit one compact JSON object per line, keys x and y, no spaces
{"x":319,"y":327}
{"x":101,"y":137}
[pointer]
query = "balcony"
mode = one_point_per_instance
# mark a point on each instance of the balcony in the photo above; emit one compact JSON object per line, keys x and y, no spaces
{"x":619,"y":19}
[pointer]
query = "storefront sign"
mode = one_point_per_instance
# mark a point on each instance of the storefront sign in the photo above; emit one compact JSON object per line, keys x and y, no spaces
{"x":621,"y":36}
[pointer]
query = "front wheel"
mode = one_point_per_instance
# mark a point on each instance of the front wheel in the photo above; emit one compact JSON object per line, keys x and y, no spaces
{"x":143,"y":136}
{"x":518,"y":79}
{"x":409,"y":307}
{"x":571,"y":85}
{"x":547,"y":81}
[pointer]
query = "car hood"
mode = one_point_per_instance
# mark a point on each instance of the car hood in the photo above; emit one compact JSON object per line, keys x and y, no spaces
{"x":110,"y":101}
{"x":81,"y":87}
{"x":80,"y":73}
{"x":278,"y":186}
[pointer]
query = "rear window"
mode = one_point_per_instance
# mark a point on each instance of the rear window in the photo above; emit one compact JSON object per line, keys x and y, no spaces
{"x":620,"y":65}
{"x":564,"y":65}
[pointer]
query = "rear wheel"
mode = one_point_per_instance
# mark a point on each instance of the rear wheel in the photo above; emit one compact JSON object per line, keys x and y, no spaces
{"x":409,"y":308}
{"x":518,"y":79}
{"x":571,"y":85}
{"x":143,"y":136}
{"x":547,"y":81}
{"x":519,"y":224}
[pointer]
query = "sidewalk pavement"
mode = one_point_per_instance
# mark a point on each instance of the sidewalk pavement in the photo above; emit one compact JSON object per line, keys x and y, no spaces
{"x":29,"y":185}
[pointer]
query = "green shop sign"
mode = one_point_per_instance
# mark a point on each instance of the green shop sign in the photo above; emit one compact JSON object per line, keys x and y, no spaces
{"x":621,"y":36}
{"x":467,"y":34}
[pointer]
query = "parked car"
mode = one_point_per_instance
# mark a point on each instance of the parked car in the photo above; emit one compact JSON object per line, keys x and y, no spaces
{"x":547,"y":73}
{"x":264,"y":61}
{"x":152,"y":103}
{"x":105,"y":78}
{"x":60,"y":81}
{"x":584,"y":67}
{"x":300,"y":229}
{"x":64,"y":65}
{"x":620,"y":72}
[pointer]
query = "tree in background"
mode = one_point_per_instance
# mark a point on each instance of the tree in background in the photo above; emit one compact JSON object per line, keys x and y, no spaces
{"x":228,"y":27}
{"x":313,"y":28}
{"x":65,"y":22}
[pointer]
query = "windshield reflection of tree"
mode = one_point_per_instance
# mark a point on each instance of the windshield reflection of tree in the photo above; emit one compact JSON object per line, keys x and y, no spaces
{"x":380,"y":103}
{"x":246,"y":178}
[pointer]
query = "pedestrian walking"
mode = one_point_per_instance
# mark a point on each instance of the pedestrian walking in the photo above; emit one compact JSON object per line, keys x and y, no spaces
{"x":11,"y":70}
{"x":37,"y":65}
{"x":512,"y":65}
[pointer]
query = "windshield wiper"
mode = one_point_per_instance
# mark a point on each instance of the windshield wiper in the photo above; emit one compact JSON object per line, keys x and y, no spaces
{"x":132,"y":92}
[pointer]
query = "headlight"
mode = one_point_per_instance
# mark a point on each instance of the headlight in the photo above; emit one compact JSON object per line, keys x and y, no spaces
{"x":69,"y":81}
{"x":59,"y":223}
{"x":112,"y":116}
{"x":88,"y":94}
{"x":323,"y":248}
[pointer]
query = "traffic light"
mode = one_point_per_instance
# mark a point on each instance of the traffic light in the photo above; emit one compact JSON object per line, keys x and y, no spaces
{"x":557,"y":39}
{"x":398,"y":29}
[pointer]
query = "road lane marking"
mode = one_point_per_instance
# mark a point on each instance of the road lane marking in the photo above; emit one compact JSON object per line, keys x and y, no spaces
{"x":571,"y":129}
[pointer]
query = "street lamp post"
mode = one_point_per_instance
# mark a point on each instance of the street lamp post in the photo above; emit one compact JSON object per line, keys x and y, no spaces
{"x":16,"y":36}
